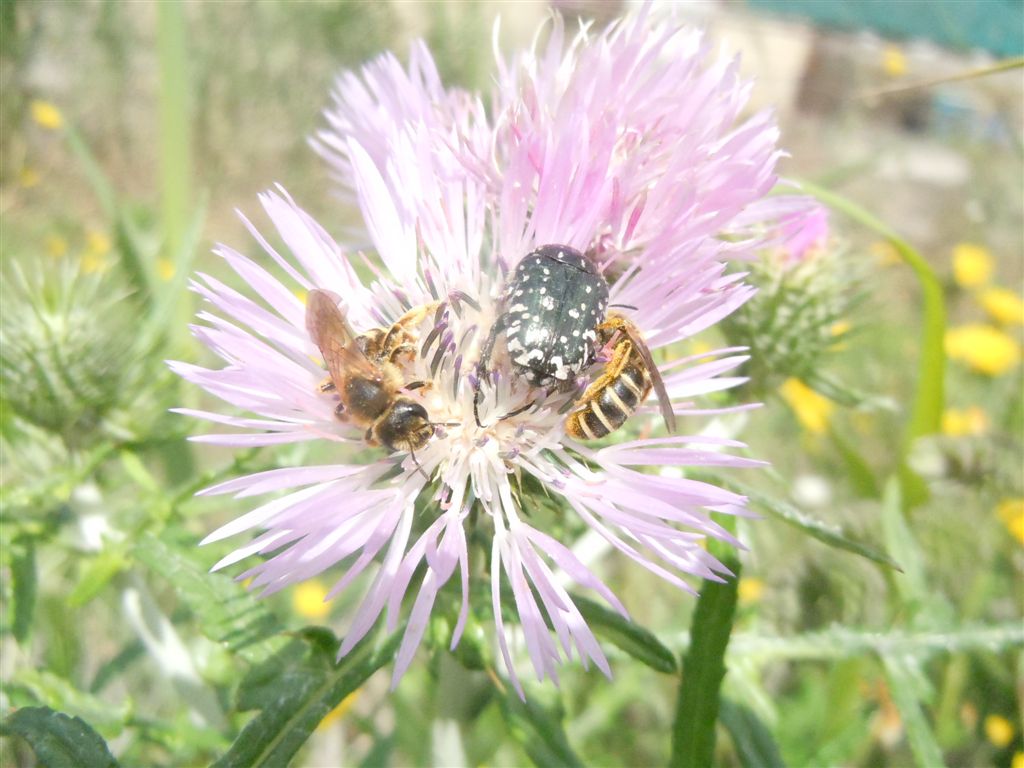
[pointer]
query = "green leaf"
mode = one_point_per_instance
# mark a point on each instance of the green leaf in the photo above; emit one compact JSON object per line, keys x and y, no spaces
{"x":97,"y":574}
{"x":30,"y":686}
{"x":294,"y":690}
{"x":637,"y":641}
{"x":537,"y":728}
{"x":693,"y":732}
{"x":826,"y":533}
{"x":754,"y":743}
{"x":859,"y":472}
{"x":23,"y":576}
{"x":58,"y":740}
{"x":225,"y":612}
{"x":111,"y":669}
{"x":905,"y":686}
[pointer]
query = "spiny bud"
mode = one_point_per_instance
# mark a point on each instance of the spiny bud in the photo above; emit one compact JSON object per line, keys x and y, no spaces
{"x":65,"y":342}
{"x":805,"y":291}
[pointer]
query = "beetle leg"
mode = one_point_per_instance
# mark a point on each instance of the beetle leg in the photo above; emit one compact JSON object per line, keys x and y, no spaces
{"x":483,"y":365}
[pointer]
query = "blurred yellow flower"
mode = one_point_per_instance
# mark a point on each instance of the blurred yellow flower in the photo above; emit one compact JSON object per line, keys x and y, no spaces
{"x":972,"y":265}
{"x":28,"y":177}
{"x":840,"y":327}
{"x":1011,"y":513}
{"x":885,"y":253}
{"x":812,"y":410}
{"x":894,"y":62}
{"x":165,"y":269}
{"x":750,"y":590}
{"x":1018,"y":760}
{"x":339,"y":711}
{"x":970,"y":421}
{"x":56,"y":245}
{"x":96,"y":242}
{"x":983,"y":348}
{"x":94,"y":262}
{"x":308,"y":599}
{"x":1003,"y":305}
{"x":998,"y":730}
{"x":46,"y":114}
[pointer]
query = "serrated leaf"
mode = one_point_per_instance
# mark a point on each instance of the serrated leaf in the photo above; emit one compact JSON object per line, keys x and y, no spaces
{"x":225,"y":612}
{"x":754,"y":743}
{"x":832,"y":535}
{"x":637,"y":641}
{"x":23,"y":576}
{"x":904,"y":684}
{"x":538,"y":730}
{"x":294,"y":690}
{"x":59,"y":740}
{"x":693,"y":732}
{"x":30,"y":686}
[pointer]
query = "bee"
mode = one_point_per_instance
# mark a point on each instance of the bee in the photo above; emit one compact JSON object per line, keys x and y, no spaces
{"x":624,"y":383}
{"x":365,"y":371}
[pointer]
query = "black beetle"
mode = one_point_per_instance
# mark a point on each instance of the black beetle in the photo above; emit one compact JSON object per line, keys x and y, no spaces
{"x":553,"y":302}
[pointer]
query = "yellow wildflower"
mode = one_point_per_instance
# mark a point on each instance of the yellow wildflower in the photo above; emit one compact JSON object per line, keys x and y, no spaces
{"x":1003,"y":305}
{"x":96,"y":242}
{"x":94,"y":262}
{"x":339,"y":711}
{"x":894,"y":62}
{"x":46,"y":115}
{"x":1018,"y":760}
{"x":1011,"y":513}
{"x":56,"y":245}
{"x":308,"y":599}
{"x":750,"y":590}
{"x":885,"y":253}
{"x":28,"y":177}
{"x":983,"y":348}
{"x":970,"y":421}
{"x":972,"y":265}
{"x":812,"y":410}
{"x":165,"y":269}
{"x":998,"y":730}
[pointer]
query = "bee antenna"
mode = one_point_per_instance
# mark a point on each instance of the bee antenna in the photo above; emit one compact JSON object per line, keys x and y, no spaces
{"x":624,"y":306}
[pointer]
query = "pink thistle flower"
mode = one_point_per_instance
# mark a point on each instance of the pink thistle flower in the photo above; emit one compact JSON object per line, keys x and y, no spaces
{"x":627,"y":145}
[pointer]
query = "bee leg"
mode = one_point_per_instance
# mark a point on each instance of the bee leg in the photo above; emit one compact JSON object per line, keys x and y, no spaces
{"x":419,"y":467}
{"x":325,"y":386}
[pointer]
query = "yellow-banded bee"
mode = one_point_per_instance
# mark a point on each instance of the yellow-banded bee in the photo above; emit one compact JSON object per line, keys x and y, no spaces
{"x":365,"y":372}
{"x":627,"y":379}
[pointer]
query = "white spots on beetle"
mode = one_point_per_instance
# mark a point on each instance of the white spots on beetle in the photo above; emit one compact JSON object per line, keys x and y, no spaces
{"x":574,"y":333}
{"x":574,"y":314}
{"x":547,"y":271}
{"x":583,"y":305}
{"x":543,"y":290}
{"x":563,"y":339}
{"x":590,"y":289}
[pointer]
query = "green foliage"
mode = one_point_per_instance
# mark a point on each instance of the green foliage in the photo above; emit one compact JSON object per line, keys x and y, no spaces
{"x":294,"y":690}
{"x":59,"y":741}
{"x":639,"y":642}
{"x":703,"y":669}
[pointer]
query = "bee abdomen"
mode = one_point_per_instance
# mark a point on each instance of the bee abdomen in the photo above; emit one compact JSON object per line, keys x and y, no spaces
{"x":609,"y":408}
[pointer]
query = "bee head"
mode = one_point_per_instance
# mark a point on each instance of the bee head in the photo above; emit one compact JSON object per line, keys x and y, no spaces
{"x":406,"y":426}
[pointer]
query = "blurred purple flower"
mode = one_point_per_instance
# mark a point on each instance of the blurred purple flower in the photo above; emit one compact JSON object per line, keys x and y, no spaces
{"x":627,"y":144}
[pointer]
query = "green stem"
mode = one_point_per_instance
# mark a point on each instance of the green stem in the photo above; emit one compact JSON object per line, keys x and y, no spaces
{"x":929,"y":395}
{"x":693,"y":732}
{"x":175,"y":161}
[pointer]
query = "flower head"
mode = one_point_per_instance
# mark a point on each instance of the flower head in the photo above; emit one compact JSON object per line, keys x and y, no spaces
{"x":626,"y":146}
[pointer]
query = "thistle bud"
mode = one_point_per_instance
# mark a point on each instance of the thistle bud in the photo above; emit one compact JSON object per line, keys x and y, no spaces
{"x":65,"y":342}
{"x":805,"y":292}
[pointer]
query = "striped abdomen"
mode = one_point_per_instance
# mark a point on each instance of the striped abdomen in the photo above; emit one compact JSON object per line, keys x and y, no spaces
{"x":612,"y":398}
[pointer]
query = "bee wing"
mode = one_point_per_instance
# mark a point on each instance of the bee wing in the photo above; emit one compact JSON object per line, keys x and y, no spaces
{"x":652,"y":369}
{"x":333,"y":334}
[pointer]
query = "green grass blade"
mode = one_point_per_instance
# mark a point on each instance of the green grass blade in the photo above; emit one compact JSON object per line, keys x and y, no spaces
{"x":754,"y":743}
{"x":637,"y":641}
{"x":905,"y":688}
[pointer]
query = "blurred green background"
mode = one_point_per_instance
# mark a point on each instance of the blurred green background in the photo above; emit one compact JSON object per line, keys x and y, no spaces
{"x":130,"y":134}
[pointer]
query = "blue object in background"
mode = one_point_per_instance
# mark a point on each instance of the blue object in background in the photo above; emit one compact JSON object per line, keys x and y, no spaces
{"x":996,"y":26}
